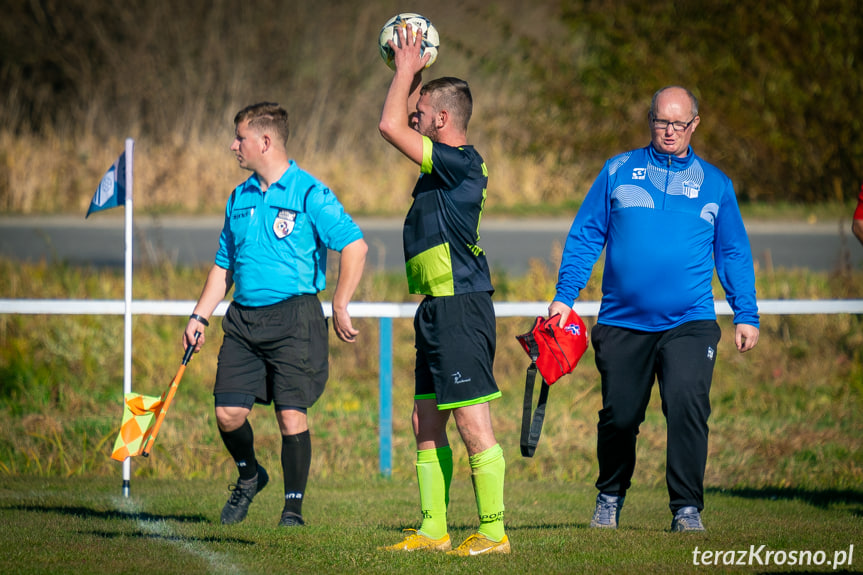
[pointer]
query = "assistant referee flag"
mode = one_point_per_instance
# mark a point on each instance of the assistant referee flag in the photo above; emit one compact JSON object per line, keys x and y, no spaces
{"x":139,"y":414}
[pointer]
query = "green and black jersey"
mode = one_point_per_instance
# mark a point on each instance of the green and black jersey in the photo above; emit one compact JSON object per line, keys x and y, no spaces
{"x":442,"y":226}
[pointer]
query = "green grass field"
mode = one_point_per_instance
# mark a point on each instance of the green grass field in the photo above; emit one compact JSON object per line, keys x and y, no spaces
{"x":84,"y":525}
{"x":785,"y":466}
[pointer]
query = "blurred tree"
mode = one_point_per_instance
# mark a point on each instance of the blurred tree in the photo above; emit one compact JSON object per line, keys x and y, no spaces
{"x":780,"y":83}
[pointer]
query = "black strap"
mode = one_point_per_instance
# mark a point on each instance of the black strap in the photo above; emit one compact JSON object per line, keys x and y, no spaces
{"x":531,"y":427}
{"x":568,"y":367}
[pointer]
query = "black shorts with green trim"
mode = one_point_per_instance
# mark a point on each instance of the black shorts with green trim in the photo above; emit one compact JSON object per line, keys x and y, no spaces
{"x":276,"y":353}
{"x":455,"y":346}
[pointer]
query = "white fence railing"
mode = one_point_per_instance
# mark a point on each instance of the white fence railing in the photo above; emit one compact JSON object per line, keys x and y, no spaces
{"x":386,"y":312}
{"x":391,"y":309}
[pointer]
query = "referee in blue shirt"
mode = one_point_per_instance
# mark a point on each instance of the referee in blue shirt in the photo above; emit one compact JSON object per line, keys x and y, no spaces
{"x":279,"y":224}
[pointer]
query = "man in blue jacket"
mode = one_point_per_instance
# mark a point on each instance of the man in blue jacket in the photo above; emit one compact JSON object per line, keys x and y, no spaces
{"x":279,"y":224}
{"x":666,"y":219}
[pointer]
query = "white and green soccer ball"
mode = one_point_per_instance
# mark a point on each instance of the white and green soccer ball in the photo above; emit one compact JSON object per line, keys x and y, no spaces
{"x":390,"y":31}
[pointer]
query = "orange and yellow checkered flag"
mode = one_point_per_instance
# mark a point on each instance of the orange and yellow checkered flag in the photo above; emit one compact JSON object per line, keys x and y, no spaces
{"x":143,"y":415}
{"x":139,"y":414}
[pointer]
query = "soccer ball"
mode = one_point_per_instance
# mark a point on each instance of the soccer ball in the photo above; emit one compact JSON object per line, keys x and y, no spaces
{"x":391,"y":31}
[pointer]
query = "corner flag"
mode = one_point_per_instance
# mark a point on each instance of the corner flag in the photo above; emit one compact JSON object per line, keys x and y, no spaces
{"x":112,"y":189}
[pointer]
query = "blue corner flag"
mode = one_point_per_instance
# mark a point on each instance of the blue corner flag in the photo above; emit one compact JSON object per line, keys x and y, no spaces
{"x":112,"y":189}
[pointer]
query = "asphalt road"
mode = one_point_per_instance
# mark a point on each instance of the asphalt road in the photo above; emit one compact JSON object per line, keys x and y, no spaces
{"x":509,"y":243}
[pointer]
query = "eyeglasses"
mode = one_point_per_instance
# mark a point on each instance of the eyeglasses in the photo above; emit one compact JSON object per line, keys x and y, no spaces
{"x":678,"y":126}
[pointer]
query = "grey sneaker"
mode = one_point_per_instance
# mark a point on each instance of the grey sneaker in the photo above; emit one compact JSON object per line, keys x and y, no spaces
{"x":242,"y":493}
{"x":291,"y":519}
{"x":607,"y":511}
{"x":687,"y":519}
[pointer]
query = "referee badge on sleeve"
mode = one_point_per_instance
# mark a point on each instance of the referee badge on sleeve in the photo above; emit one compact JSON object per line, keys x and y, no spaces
{"x":284,"y":224}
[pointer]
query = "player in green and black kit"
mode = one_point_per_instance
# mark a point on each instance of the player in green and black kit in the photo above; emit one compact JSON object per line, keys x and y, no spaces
{"x":455,"y":322}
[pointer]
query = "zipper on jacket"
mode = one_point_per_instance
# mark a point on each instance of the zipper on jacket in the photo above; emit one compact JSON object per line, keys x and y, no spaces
{"x":667,"y":178}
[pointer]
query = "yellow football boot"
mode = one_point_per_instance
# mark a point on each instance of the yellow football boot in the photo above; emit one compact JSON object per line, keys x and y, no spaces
{"x":479,"y":544}
{"x":416,"y":541}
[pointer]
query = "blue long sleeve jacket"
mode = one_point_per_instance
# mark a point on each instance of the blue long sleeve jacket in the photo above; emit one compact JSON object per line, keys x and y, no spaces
{"x":665,"y":223}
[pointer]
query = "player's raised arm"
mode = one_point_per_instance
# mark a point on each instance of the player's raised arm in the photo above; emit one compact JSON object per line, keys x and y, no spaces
{"x":397,"y":114}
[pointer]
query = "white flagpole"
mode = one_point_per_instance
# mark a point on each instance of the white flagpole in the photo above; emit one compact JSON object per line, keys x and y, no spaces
{"x":127,"y":348}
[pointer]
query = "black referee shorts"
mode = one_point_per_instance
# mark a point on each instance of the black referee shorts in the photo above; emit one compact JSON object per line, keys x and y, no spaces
{"x":277,"y":353}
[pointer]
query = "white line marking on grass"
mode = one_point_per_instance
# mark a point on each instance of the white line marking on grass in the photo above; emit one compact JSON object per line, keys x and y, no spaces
{"x":218,"y":562}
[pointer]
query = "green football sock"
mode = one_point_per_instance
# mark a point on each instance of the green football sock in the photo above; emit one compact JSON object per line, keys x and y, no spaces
{"x":487,"y":473}
{"x":434,"y":475}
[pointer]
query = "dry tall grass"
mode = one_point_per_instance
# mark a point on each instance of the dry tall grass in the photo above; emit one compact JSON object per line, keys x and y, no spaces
{"x":175,"y":88}
{"x":558,"y":87}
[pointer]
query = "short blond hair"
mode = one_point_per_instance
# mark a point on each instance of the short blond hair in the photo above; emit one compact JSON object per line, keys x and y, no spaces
{"x":266,"y":116}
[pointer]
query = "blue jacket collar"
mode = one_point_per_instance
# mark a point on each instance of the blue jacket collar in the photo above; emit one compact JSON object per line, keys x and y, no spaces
{"x":668,"y":160}
{"x":282,"y":182}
